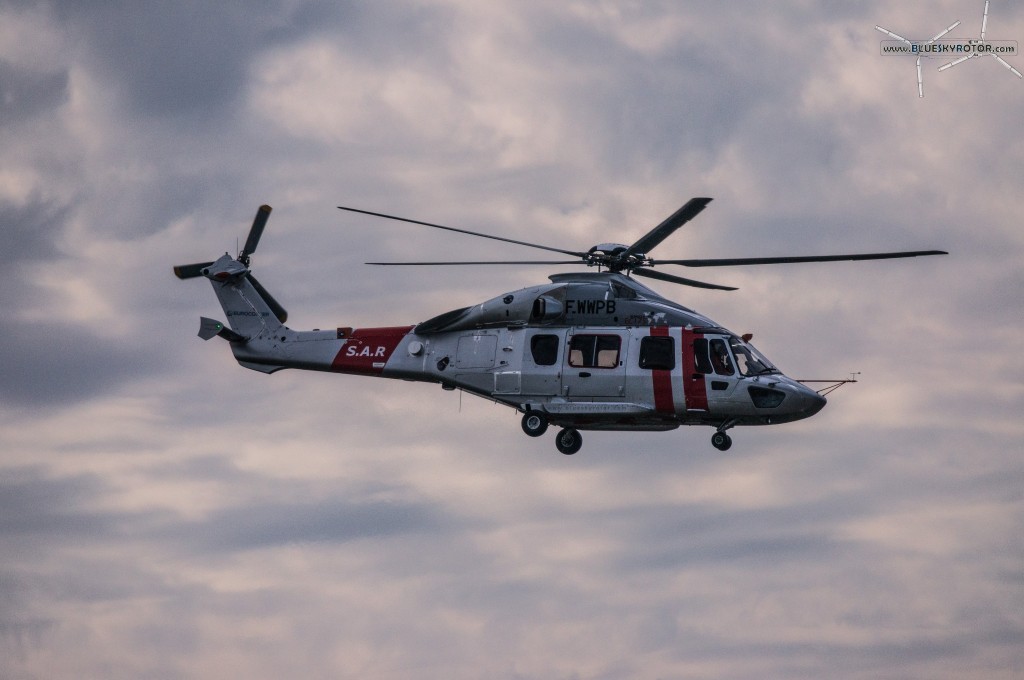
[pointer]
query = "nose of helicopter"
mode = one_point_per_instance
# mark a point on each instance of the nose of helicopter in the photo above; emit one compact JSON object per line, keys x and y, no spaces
{"x":810,"y":402}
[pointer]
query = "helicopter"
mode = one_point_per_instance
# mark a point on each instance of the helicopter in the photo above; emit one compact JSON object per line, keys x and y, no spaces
{"x":586,"y":351}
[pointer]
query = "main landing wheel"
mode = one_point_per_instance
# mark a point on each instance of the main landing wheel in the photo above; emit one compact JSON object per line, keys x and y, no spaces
{"x":535,"y":423}
{"x":721,"y":441}
{"x":569,"y":441}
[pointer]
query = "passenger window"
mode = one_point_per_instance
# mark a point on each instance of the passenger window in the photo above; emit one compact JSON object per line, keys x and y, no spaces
{"x":658,"y":353}
{"x":544,"y":349}
{"x":720,"y":358}
{"x":700,"y":356}
{"x":594,"y":351}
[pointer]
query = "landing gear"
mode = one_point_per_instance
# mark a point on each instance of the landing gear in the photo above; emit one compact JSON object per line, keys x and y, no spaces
{"x":535,"y":423}
{"x":569,"y":441}
{"x":721,"y":441}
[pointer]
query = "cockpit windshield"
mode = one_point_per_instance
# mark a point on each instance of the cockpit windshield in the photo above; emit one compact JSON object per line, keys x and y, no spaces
{"x":749,"y":360}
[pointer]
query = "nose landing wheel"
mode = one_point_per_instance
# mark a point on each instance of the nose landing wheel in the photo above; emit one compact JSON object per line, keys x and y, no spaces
{"x":721,"y":441}
{"x":569,"y":441}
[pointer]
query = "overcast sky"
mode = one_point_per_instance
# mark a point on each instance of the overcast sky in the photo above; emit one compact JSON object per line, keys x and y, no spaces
{"x":165,"y":513}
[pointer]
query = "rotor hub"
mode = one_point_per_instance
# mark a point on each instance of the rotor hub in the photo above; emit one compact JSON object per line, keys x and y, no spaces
{"x":615,"y":257}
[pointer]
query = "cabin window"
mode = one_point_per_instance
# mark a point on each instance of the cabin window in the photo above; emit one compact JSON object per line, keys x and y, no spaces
{"x":544,"y":349}
{"x":700,"y":356}
{"x":720,"y":358}
{"x":594,"y":351}
{"x":658,"y":353}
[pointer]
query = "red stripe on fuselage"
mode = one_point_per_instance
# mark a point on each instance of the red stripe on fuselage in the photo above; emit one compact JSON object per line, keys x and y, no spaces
{"x":694,"y":386}
{"x":663,"y":400}
{"x":366,"y":350}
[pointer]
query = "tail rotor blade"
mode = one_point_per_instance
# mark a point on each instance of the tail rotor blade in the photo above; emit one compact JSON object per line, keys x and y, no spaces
{"x":259,"y":223}
{"x":280,"y":312}
{"x":191,"y":271}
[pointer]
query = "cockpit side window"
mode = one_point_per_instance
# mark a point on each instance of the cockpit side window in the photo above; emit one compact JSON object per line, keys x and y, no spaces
{"x":700,"y":356}
{"x":720,"y":358}
{"x":750,"y":361}
{"x":544,"y":349}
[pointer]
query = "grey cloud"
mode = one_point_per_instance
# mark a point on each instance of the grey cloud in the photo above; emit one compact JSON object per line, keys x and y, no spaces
{"x":884,"y":548}
{"x":193,"y":59}
{"x":28,"y":232}
{"x":37,"y":506}
{"x":174,"y":60}
{"x":270,"y":525}
{"x":55,"y":364}
{"x":25,"y":93}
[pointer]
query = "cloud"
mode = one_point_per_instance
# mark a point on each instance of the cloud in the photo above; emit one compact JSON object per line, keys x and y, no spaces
{"x":25,"y":93}
{"x":183,"y":61}
{"x":165,"y":513}
{"x":50,"y":364}
{"x":266,"y":526}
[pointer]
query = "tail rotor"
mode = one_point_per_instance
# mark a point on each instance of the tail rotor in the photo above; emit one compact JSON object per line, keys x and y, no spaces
{"x":259,"y":223}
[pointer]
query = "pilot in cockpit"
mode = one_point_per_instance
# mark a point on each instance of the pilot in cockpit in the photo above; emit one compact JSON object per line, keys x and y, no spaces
{"x":720,"y":359}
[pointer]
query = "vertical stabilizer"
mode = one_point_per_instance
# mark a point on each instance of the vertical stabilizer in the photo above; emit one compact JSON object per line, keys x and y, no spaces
{"x":248,"y":312}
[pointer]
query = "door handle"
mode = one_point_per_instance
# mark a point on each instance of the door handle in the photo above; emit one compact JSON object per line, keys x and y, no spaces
{"x":584,"y":374}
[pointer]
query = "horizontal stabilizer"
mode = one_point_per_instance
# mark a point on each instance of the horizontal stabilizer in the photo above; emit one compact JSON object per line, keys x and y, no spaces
{"x":211,"y":327}
{"x":262,"y":368}
{"x":190,"y":271}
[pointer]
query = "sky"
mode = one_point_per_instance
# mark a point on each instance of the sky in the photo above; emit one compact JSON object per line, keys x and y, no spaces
{"x":165,"y":513}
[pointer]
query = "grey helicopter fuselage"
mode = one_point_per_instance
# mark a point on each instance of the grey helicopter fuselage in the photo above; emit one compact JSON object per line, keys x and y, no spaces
{"x":588,"y":351}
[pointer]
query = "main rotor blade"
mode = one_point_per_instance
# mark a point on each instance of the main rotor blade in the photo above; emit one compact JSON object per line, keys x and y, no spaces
{"x":190,"y":271}
{"x":734,"y":261}
{"x":259,"y":223}
{"x":465,"y":231}
{"x":665,"y":229}
{"x":414,"y":264}
{"x":651,"y":274}
{"x":280,"y":312}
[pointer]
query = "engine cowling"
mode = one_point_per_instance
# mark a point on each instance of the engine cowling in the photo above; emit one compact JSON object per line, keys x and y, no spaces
{"x":546,"y":309}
